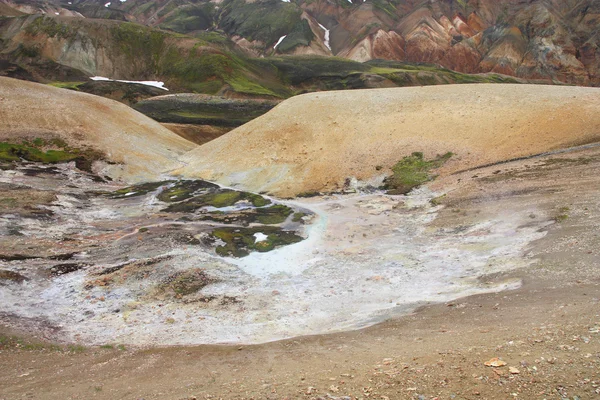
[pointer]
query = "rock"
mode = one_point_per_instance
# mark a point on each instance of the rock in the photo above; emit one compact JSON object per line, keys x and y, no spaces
{"x":495,"y":362}
{"x":514,"y":371}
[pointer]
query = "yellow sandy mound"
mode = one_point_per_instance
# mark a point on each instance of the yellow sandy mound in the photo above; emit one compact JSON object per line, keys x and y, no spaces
{"x":316,"y":141}
{"x":143,"y":147}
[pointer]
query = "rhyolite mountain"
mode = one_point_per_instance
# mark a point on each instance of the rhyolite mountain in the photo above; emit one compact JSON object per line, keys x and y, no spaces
{"x":551,"y":40}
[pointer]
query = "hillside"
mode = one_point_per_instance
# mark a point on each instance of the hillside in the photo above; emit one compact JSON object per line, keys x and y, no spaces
{"x":319,"y":141}
{"x":554,"y":40}
{"x":129,"y":145}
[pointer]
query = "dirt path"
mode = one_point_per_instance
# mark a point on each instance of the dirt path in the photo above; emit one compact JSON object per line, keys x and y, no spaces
{"x":548,"y":329}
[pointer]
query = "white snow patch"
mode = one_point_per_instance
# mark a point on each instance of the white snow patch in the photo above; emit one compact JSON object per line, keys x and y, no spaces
{"x":326,"y":37}
{"x":157,"y":84}
{"x":279,"y":41}
{"x":286,"y":1}
{"x":107,"y":5}
{"x":57,"y":13}
{"x":260,"y":237}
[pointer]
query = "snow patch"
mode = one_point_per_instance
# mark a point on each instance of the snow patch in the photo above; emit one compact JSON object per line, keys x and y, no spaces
{"x":326,"y":37}
{"x":157,"y":84}
{"x":279,"y":41}
{"x":260,"y":237}
{"x":107,"y":5}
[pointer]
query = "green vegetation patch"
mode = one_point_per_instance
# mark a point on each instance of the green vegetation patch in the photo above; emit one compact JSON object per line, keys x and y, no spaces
{"x":239,"y":242}
{"x":218,"y":199}
{"x":412,"y":171}
{"x":264,"y":20}
{"x":301,"y":35}
{"x":183,"y":190}
{"x":50,"y":27}
{"x":204,"y":109}
{"x":273,"y":215}
{"x":137,"y":190}
{"x":52,"y":151}
{"x":562,"y":214}
{"x":189,"y":18}
{"x":18,"y":343}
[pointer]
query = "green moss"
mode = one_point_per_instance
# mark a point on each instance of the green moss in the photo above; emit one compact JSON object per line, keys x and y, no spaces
{"x":240,"y":241}
{"x":189,"y":18}
{"x":50,"y":27}
{"x":265,"y":20}
{"x":301,"y":35}
{"x":298,"y":216}
{"x":222,"y":199}
{"x":412,"y":171}
{"x":273,"y":215}
{"x":257,"y":200}
{"x":183,"y":190}
{"x":218,"y":199}
{"x":19,"y":343}
{"x":562,"y":214}
{"x":137,"y":190}
{"x":34,"y":152}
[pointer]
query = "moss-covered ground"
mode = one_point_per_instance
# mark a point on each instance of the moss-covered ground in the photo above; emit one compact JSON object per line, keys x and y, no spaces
{"x":51,"y":151}
{"x":240,"y":241}
{"x":412,"y":171}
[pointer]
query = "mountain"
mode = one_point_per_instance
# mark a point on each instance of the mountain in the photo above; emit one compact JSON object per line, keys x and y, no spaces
{"x":553,"y":40}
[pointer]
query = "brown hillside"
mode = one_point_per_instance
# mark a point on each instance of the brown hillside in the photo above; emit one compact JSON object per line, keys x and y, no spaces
{"x":143,"y":147}
{"x":316,"y":141}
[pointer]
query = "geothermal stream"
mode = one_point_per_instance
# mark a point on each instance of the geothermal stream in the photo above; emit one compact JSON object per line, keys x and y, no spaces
{"x":366,"y":258}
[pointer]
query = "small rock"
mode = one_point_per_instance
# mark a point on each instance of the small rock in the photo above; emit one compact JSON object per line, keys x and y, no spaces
{"x":513,"y":370}
{"x":495,"y":362}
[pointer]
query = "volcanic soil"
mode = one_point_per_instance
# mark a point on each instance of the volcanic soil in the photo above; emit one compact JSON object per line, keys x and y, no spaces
{"x":545,"y":333}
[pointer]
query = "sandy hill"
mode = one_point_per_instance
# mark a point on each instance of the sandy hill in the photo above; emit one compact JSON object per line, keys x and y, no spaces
{"x":143,"y":147}
{"x":316,"y":141}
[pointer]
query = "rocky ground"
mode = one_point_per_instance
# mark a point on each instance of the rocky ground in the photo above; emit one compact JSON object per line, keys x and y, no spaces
{"x":544,"y":333}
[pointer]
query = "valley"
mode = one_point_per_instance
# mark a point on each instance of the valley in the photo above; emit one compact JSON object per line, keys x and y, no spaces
{"x":299,"y":199}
